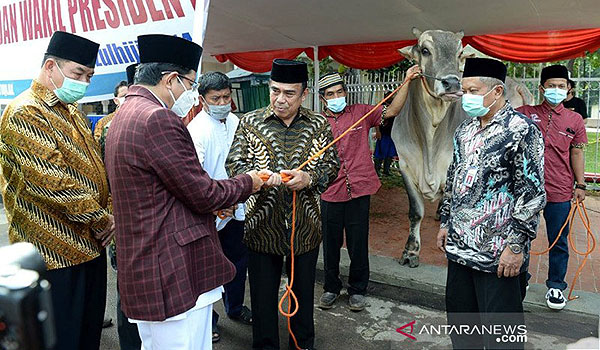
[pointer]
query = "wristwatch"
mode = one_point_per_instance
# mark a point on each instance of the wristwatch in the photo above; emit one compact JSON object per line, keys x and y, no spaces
{"x":580,"y":186}
{"x":515,"y":248}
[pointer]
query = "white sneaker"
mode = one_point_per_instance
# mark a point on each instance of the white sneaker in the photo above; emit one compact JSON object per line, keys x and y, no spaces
{"x":555,"y":299}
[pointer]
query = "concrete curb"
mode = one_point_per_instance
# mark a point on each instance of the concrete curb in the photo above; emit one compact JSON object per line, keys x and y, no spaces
{"x":425,"y":286}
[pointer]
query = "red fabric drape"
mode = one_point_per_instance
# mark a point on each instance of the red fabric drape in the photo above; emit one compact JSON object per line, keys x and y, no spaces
{"x":537,"y":47}
{"x":258,"y":61}
{"x":367,"y":56}
{"x":520,"y":47}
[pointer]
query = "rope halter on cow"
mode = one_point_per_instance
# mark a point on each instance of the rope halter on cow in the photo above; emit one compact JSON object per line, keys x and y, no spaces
{"x":423,"y":76}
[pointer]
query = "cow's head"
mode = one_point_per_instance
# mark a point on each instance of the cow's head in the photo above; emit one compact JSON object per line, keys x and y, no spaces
{"x":439,"y":54}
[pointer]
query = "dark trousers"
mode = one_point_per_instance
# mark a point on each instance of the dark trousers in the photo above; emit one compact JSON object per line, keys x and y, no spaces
{"x":129,"y":337}
{"x":79,"y":299}
{"x":481,"y":298}
{"x":264,"y":274}
{"x":353,"y":217}
{"x":233,"y":248}
{"x":555,"y":214}
{"x":387,"y":162}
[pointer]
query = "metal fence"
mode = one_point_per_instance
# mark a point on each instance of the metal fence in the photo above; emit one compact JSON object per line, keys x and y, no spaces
{"x":370,"y":88}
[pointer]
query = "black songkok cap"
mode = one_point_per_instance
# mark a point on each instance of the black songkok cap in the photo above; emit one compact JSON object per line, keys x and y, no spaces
{"x":159,"y":48}
{"x":131,"y":72}
{"x":289,"y":71}
{"x":484,"y":67}
{"x":555,"y":71}
{"x":73,"y":48}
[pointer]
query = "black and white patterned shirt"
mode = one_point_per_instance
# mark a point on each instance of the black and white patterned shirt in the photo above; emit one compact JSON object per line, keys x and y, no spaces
{"x":494,"y":190}
{"x":263,"y":141}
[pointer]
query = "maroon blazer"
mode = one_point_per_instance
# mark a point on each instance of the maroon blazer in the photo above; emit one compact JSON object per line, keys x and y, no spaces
{"x":168,"y":251}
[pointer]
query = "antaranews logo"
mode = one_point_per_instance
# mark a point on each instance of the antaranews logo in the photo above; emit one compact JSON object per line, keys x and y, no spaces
{"x":502,"y":333}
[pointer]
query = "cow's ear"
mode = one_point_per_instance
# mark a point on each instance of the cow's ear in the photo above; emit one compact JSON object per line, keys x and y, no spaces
{"x":460,"y":34}
{"x":416,"y":32}
{"x":407,"y":52}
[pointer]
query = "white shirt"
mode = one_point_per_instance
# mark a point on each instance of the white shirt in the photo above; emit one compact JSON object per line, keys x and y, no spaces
{"x":212,"y":140}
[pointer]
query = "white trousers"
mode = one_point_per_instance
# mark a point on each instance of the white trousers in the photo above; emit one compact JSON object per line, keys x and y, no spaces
{"x":194,"y":332}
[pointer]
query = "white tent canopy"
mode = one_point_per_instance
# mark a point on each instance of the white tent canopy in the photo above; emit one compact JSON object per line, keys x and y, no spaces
{"x":257,"y":25}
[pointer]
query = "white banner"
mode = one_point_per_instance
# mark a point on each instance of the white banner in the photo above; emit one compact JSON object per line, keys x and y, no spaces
{"x":27,"y":25}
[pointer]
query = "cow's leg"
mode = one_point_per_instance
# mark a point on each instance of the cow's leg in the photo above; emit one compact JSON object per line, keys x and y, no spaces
{"x":416,"y":210}
{"x":438,"y":211}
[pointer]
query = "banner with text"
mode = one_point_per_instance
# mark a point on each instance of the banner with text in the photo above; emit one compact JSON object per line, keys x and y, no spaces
{"x":27,"y":25}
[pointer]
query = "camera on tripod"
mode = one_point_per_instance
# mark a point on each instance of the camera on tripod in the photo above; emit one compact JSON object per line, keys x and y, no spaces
{"x":26,"y":318}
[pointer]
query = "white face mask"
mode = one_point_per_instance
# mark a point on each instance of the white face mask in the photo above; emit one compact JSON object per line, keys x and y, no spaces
{"x":185,"y":102}
{"x":121,"y":100}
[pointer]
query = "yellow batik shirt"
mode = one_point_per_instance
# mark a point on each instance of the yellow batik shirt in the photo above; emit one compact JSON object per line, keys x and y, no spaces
{"x":53,"y":179}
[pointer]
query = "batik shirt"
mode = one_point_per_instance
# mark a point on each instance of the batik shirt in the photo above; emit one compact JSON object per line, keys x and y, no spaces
{"x":494,"y":190}
{"x":53,"y":179}
{"x":263,"y":141}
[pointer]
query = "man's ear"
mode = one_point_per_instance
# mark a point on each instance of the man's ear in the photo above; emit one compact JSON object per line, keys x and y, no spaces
{"x":541,"y":89}
{"x":501,"y":89}
{"x":169,"y":80}
{"x":304,"y":94}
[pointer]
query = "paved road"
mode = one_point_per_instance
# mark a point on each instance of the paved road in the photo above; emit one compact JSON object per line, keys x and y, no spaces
{"x":340,"y":328}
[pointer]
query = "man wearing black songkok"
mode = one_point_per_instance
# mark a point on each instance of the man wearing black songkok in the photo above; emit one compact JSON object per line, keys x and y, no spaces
{"x":565,"y":137}
{"x":55,"y":190}
{"x":280,"y":137}
{"x":490,"y":210}
{"x":171,"y":267}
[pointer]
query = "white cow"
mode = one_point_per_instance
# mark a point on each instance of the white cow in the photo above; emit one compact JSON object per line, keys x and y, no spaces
{"x":424,"y":129}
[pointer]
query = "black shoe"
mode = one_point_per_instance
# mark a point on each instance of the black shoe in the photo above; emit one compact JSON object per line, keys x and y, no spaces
{"x":357,"y":302}
{"x":327,"y":300}
{"x":244,"y":317}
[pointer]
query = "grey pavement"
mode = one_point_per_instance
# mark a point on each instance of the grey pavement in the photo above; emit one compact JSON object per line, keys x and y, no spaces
{"x":397,"y":296}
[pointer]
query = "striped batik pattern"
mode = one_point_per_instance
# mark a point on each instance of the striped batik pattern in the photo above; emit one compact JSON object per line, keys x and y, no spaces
{"x":263,"y":141}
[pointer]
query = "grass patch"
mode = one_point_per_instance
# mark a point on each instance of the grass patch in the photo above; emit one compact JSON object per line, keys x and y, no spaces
{"x":592,"y":163}
{"x":393,"y":180}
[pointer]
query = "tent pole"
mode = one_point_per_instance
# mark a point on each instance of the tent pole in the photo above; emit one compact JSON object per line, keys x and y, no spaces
{"x":316,"y":77}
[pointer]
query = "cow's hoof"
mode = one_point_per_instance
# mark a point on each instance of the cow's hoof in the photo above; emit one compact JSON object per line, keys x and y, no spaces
{"x":411,"y":260}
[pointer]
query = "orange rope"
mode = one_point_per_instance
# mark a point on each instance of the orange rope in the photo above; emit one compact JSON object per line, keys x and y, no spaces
{"x":284,"y":178}
{"x":581,"y":210}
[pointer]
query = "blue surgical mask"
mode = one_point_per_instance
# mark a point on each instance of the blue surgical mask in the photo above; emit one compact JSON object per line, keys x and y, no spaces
{"x":71,"y":90}
{"x":555,"y":95}
{"x":336,"y":105}
{"x":473,"y":104}
{"x":219,"y":112}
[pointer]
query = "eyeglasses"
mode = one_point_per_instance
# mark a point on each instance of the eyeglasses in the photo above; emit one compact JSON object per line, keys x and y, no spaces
{"x":194,"y":84}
